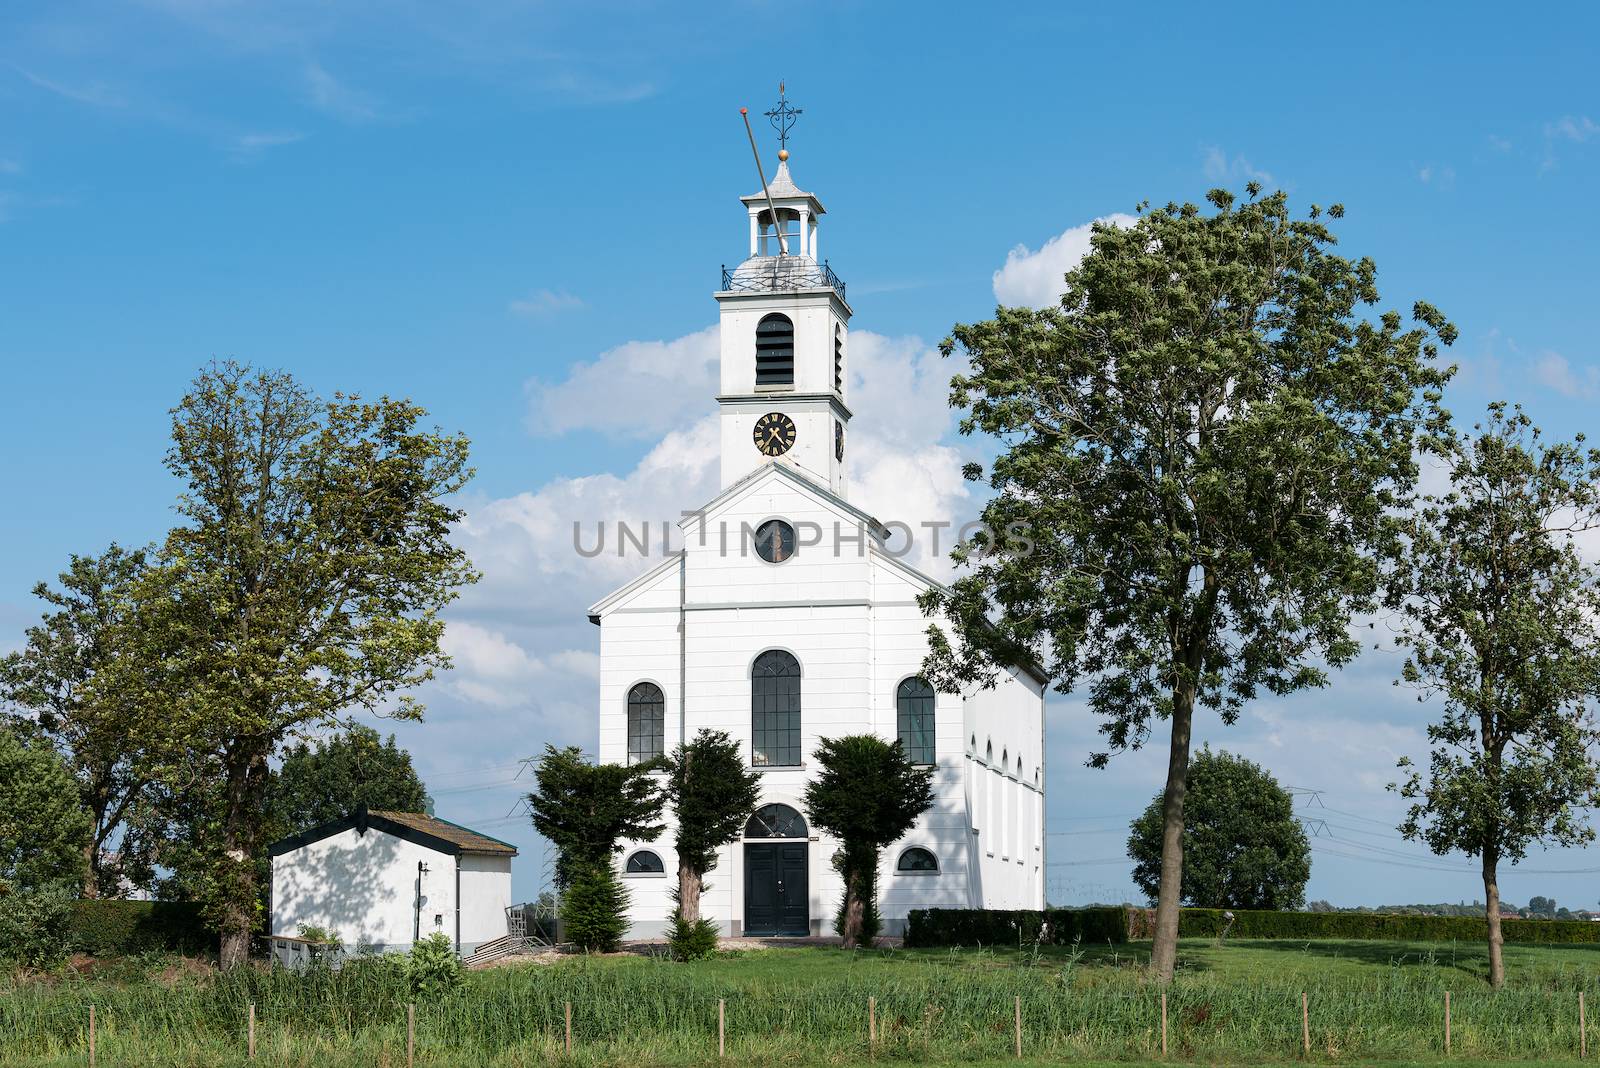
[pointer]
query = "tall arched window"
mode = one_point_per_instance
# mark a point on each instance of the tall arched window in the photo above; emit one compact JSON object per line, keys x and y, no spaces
{"x":775,"y":710}
{"x":775,"y":351}
{"x":646,"y":722}
{"x":914,"y":709}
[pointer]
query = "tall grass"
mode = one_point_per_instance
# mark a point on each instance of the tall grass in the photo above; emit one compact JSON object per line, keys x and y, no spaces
{"x":640,"y":1012}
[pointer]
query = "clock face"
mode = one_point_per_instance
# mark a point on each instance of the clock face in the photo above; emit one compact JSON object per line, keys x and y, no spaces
{"x":838,"y":440}
{"x":774,"y":434}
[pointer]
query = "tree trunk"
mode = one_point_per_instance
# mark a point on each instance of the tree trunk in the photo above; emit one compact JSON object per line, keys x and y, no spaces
{"x":689,"y":884}
{"x":1164,"y":951}
{"x":91,"y":871}
{"x":855,"y":910}
{"x":1491,"y":909}
{"x":234,"y":888}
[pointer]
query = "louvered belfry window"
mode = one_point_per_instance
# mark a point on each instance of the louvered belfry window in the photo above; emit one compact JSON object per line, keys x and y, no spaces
{"x":775,"y":351}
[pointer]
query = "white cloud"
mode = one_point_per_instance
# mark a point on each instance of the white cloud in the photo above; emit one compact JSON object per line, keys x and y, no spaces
{"x":94,"y":94}
{"x":1553,"y":370}
{"x":1579,"y":128}
{"x":545,"y":302}
{"x":641,"y":389}
{"x":251,"y":145}
{"x":1034,"y":279}
{"x":1444,"y":176}
{"x":1220,"y":167}
{"x":330,"y":95}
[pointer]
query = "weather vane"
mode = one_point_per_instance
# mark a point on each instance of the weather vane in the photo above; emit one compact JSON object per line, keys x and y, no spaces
{"x":782,"y":118}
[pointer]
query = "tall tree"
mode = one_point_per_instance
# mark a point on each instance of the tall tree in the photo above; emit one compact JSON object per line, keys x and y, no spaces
{"x":1201,"y":453}
{"x":304,"y":583}
{"x":712,"y":794}
{"x":867,"y":794}
{"x":1499,"y":619}
{"x":43,"y":832}
{"x":586,"y":809}
{"x":323,"y":781}
{"x":55,"y":682}
{"x":1243,"y":848}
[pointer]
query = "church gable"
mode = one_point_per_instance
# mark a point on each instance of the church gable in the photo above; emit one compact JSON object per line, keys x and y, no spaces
{"x":657,"y":588}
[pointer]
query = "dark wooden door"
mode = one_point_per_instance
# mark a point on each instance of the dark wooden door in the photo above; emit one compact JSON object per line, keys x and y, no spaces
{"x":776,"y":896}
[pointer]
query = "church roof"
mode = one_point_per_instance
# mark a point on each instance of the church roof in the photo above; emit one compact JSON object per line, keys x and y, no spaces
{"x":782,"y":187}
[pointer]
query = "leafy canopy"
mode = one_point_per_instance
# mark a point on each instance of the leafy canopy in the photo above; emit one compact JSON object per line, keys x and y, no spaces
{"x":1243,"y":848}
{"x":1202,"y":451}
{"x":43,"y":835}
{"x":321,"y":782}
{"x":1499,"y":619}
{"x":712,"y":794}
{"x":586,"y":809}
{"x":57,"y":683}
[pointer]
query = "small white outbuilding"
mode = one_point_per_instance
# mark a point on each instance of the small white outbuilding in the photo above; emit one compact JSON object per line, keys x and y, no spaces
{"x":382,"y":880}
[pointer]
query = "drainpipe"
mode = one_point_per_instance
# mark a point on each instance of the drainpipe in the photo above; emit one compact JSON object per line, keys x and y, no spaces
{"x":416,"y":920}
{"x":458,"y":904}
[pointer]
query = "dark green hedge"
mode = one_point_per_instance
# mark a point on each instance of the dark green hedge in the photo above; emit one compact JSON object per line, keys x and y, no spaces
{"x":1252,"y":923}
{"x":998,"y":927}
{"x":110,"y":927}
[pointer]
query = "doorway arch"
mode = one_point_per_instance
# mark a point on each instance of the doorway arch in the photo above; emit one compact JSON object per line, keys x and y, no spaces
{"x":777,"y":893}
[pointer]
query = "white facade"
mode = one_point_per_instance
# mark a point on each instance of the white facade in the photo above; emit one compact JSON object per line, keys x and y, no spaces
{"x":381,"y":879}
{"x":690,"y":631}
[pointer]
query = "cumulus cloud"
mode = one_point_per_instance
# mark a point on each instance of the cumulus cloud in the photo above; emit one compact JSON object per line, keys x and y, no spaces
{"x":641,"y":389}
{"x":1033,"y":279}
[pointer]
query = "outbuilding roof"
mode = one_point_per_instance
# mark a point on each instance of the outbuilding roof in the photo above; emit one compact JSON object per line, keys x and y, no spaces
{"x":437,"y":834}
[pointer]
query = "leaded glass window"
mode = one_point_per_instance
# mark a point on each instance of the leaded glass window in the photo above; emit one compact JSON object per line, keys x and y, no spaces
{"x":914,"y":703}
{"x":647,"y":710}
{"x":775,"y":821}
{"x":775,"y":710}
{"x":917,"y":859}
{"x":645,"y":862}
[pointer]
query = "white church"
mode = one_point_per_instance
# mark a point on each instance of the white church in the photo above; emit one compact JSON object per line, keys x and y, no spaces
{"x":786,"y":618}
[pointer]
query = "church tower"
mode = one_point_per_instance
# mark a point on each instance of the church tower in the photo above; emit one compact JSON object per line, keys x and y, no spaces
{"x":784,"y":338}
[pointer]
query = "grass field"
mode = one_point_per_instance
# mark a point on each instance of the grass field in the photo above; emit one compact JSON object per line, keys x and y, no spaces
{"x":1368,"y":1002}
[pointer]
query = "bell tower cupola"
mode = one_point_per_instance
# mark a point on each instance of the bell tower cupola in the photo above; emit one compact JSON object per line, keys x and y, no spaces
{"x":784,"y":335}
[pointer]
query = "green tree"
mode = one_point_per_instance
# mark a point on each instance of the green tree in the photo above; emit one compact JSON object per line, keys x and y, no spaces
{"x":1202,"y":450}
{"x":1243,"y":848}
{"x":712,"y":793}
{"x":867,"y":794}
{"x":586,"y":809}
{"x":1499,"y":619}
{"x":594,"y":909}
{"x":43,"y":834}
{"x":321,"y":782}
{"x":55,"y":682}
{"x":305,"y":582}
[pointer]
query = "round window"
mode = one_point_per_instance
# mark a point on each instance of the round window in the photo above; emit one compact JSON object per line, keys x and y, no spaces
{"x":775,"y":541}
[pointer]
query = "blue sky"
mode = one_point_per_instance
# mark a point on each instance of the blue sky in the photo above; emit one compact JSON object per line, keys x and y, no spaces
{"x":504,"y":210}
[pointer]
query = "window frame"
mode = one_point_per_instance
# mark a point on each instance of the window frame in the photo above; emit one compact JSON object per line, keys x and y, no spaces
{"x":764,"y":743}
{"x":899,"y":869}
{"x":930,"y":748}
{"x":776,"y":350}
{"x":627,"y":865}
{"x":630,"y":731}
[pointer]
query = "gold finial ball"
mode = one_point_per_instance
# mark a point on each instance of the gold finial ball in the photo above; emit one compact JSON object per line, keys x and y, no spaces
{"x":783,"y":155}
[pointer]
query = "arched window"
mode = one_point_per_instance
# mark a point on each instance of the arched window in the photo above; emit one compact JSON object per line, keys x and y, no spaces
{"x":988,"y":752}
{"x":914,"y":710}
{"x":775,"y":351}
{"x":1019,"y":768}
{"x":917,"y":859}
{"x":646,"y":718}
{"x":838,"y":358}
{"x":775,"y":821}
{"x":775,"y":710}
{"x":644,"y":862}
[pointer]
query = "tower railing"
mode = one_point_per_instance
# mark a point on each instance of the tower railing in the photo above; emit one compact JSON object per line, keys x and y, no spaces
{"x":780,"y":274}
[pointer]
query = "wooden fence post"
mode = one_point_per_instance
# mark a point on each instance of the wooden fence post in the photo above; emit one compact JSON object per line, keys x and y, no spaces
{"x":91,"y":1036}
{"x":1018,"y":1028}
{"x":569,"y":1028}
{"x":1305,"y":1023}
{"x":411,"y":1033}
{"x":1163,"y":1023}
{"x":872,"y":1022}
{"x":722,"y":1028}
{"x":250,"y":1031}
{"x":1447,"y":1021}
{"x":1583,"y":1030}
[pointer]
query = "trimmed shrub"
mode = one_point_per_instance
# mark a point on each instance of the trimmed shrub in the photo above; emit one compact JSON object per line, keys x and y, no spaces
{"x":594,"y":909}
{"x":1386,"y":926}
{"x":691,"y":941}
{"x":1020,"y":927}
{"x":109,"y":927}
